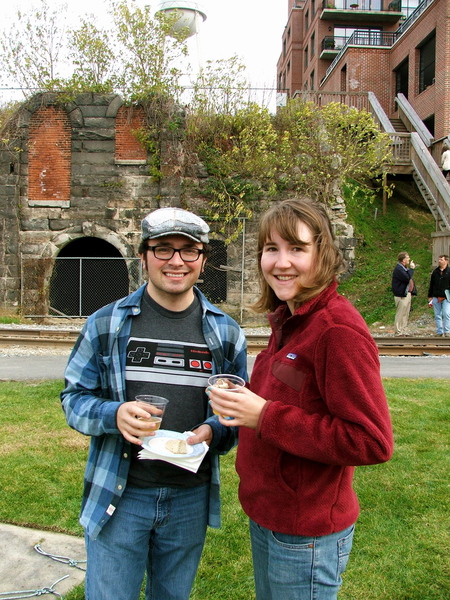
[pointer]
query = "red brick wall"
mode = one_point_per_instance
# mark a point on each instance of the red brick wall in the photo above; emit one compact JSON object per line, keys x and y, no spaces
{"x":49,"y":156}
{"x":129,"y":119}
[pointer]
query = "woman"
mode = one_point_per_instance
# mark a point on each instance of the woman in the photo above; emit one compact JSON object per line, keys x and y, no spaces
{"x":315,"y":409}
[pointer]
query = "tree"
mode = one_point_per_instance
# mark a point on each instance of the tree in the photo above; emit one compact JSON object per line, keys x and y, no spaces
{"x":92,"y":58}
{"x":147,"y":50}
{"x":33,"y":48}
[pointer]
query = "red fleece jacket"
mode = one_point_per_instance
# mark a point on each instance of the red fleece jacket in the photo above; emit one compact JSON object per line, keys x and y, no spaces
{"x":326,"y":413}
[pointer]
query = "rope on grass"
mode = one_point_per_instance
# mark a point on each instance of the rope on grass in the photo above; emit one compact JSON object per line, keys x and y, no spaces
{"x":32,"y":593}
{"x":63,"y":559}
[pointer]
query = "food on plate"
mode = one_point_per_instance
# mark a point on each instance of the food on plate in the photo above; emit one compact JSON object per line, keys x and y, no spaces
{"x":176,"y":446}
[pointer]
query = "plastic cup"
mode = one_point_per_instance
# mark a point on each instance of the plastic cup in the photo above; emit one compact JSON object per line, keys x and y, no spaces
{"x":233,"y":383}
{"x":156,"y":401}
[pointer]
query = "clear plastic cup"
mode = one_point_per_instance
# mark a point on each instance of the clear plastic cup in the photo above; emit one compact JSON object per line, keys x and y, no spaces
{"x":230,"y":383}
{"x":158,"y":402}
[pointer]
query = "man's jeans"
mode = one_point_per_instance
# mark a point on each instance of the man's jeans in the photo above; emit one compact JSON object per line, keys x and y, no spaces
{"x":293,"y":567}
{"x":442,"y":316}
{"x":159,"y":529}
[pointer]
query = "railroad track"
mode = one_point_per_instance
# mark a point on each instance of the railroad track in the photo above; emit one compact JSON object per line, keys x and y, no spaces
{"x":387,"y":346}
{"x":65,"y":338}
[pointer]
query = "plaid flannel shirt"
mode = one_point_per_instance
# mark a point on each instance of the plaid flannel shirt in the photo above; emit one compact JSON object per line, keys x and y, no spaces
{"x":95,"y":385}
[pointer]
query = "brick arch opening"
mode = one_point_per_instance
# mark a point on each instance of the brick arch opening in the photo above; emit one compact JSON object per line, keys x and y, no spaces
{"x":49,"y":157}
{"x":89,"y":272}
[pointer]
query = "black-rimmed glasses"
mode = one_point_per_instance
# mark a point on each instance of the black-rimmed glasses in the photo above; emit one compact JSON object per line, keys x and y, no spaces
{"x":167,"y":252}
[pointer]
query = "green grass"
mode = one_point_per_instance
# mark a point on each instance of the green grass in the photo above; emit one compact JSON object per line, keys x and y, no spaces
{"x":402,"y":539}
{"x":405,"y":227}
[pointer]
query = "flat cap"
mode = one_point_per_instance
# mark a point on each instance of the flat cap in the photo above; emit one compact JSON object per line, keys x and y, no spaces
{"x":174,"y":221}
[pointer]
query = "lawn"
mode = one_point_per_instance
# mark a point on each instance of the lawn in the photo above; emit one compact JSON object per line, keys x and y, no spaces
{"x":402,"y":540}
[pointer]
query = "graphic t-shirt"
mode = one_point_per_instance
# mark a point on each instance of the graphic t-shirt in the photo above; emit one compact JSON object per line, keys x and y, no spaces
{"x":167,"y":356}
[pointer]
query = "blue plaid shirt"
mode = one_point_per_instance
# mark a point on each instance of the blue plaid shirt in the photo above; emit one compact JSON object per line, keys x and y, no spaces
{"x":95,"y":385}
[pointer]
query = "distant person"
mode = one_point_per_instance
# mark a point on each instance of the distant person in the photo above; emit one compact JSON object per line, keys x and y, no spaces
{"x":402,"y":286}
{"x":445,"y":162}
{"x":439,"y":296}
{"x":164,"y":339}
{"x":315,"y":408}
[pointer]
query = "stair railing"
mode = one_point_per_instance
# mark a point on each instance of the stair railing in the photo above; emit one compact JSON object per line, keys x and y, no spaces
{"x":431,"y":182}
{"x":412,"y":120}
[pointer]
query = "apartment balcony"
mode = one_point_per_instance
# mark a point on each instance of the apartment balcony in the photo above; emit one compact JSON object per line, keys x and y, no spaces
{"x":331,"y":46}
{"x":361,"y":11}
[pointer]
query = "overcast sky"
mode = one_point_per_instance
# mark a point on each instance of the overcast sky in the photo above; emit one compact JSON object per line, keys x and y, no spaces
{"x":250,"y":29}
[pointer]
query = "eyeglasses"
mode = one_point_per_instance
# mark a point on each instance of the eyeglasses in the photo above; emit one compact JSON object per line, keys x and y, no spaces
{"x":166,"y":253}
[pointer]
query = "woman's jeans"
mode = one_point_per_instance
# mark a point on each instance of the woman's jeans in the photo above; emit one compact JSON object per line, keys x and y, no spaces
{"x":442,"y":316}
{"x":294,"y":567}
{"x":161,"y":530}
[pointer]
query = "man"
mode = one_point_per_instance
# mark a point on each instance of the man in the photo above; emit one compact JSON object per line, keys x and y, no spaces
{"x":402,"y":286}
{"x":439,"y":296}
{"x":164,"y":339}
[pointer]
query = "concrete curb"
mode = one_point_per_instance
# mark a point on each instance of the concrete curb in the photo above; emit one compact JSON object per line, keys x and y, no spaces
{"x":23,"y":568}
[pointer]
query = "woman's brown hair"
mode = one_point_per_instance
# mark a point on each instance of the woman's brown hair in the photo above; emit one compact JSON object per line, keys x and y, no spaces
{"x":284,"y":219}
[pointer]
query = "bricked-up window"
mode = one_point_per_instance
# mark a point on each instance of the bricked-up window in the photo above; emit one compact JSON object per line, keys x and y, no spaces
{"x":129,"y":120}
{"x":427,"y":62}
{"x":49,"y":157}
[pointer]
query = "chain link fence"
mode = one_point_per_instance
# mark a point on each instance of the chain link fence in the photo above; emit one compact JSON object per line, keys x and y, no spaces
{"x":75,"y":287}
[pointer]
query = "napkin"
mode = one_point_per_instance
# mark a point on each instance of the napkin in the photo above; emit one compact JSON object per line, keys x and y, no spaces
{"x":190,"y":462}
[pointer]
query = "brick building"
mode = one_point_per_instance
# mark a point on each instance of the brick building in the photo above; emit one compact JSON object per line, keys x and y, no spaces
{"x":381,"y":46}
{"x":391,"y":57}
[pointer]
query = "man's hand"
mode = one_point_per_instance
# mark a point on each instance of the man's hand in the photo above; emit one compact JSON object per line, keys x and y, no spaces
{"x":133,"y":422}
{"x":201,"y":434}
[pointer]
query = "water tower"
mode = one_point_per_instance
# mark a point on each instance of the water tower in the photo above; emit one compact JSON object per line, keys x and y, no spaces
{"x":192,"y":14}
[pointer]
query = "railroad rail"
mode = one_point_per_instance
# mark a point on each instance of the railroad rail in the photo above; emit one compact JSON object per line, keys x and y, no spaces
{"x":65,"y":338}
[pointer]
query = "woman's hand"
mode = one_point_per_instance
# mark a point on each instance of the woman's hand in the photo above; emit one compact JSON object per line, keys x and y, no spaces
{"x":244,"y":406}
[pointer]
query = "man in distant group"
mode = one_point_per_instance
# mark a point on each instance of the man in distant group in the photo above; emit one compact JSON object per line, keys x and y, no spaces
{"x":402,"y":286}
{"x":439,"y":296}
{"x":164,"y":339}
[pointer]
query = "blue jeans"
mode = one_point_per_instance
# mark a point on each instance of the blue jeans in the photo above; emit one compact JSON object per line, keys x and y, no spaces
{"x":161,"y":530}
{"x":294,"y":567}
{"x":442,"y":316}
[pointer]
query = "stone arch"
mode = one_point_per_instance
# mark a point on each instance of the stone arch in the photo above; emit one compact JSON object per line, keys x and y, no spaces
{"x":88,"y":274}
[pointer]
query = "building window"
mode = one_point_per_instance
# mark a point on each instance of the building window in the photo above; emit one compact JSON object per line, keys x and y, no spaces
{"x":288,"y":67}
{"x":402,"y":78}
{"x":306,"y":20}
{"x":306,"y":57}
{"x":311,"y":80}
{"x":344,"y":78}
{"x":409,"y":6}
{"x":427,"y":63}
{"x":284,"y":47}
{"x":313,"y":44}
{"x":313,"y":8}
{"x":429,"y":124}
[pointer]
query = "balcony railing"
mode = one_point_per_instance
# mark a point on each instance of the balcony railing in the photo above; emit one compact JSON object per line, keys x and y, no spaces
{"x":333,"y":42}
{"x":374,"y":38}
{"x":364,"y":5}
{"x":364,"y":38}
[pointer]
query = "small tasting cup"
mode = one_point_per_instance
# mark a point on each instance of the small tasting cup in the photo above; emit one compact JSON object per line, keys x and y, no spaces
{"x":234,"y":382}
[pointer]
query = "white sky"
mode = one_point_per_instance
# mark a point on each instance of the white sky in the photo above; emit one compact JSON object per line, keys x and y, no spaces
{"x":249,"y":28}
